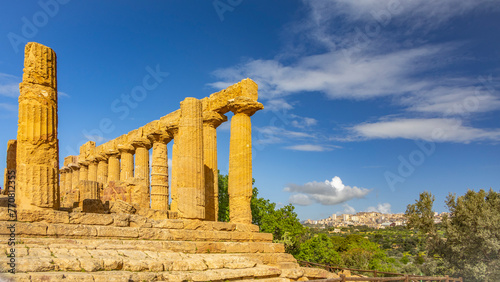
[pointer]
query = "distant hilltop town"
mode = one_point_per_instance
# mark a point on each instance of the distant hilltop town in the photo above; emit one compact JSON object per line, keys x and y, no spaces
{"x":370,"y":219}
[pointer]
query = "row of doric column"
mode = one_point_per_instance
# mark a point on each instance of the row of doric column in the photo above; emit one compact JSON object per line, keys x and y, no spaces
{"x":194,"y":183}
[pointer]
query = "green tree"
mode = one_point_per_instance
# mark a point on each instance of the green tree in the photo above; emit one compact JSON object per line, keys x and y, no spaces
{"x":420,"y":214}
{"x":283,"y":223}
{"x":223,"y":198}
{"x":319,"y":249}
{"x":473,"y":235}
{"x":471,"y":247}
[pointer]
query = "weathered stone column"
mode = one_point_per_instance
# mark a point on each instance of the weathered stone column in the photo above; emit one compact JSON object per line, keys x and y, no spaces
{"x":84,"y":169}
{"x":211,"y":120}
{"x":102,"y":169}
{"x":240,"y":159}
{"x":92,"y":174}
{"x":127,"y":161}
{"x":65,"y":181}
{"x":10,"y":171}
{"x":141,"y":172}
{"x":191,"y":189}
{"x":173,"y":131}
{"x":159,"y":171}
{"x":37,"y":165}
{"x":113,"y":165}
{"x":75,"y":176}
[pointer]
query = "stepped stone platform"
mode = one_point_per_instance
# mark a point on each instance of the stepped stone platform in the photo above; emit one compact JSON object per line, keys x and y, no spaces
{"x":77,"y":246}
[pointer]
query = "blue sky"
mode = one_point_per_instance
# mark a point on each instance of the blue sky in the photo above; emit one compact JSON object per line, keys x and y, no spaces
{"x":367,"y":103}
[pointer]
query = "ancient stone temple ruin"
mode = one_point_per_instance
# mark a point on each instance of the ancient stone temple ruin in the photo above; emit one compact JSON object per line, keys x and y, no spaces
{"x":104,"y":215}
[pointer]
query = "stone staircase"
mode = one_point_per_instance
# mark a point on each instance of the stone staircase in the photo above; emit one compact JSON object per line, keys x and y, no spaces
{"x":63,"y":246}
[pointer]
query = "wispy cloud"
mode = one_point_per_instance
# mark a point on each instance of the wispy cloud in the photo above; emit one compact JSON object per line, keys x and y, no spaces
{"x":8,"y":107}
{"x":381,"y":208}
{"x":9,"y":85}
{"x":310,"y":148}
{"x":432,"y":129}
{"x":274,"y":134}
{"x":326,"y":193}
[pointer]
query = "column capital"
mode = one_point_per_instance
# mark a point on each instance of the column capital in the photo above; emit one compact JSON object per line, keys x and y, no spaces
{"x":173,"y":130}
{"x":213,"y":119}
{"x":93,"y":159}
{"x":64,"y":169}
{"x":126,"y":148}
{"x":112,"y":152}
{"x":84,"y":163}
{"x":162,"y":137}
{"x":141,"y":143}
{"x":244,"y":105}
{"x":73,"y":166}
{"x":101,"y":157}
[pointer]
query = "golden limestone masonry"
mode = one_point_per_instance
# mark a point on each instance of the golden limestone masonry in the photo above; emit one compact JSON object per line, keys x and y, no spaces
{"x":107,"y":215}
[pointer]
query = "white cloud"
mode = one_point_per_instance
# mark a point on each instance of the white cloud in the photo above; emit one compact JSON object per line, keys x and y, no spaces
{"x":326,"y":193}
{"x":433,"y":129}
{"x":9,"y":85}
{"x":381,"y":208}
{"x":362,"y":77}
{"x":303,"y":122}
{"x":62,"y":94}
{"x":416,"y":13}
{"x":347,"y":210}
{"x":8,"y":107}
{"x":273,"y":135}
{"x":277,"y":105}
{"x":453,"y":100}
{"x":309,"y":148}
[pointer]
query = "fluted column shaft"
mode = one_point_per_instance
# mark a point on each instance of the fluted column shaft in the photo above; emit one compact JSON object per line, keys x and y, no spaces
{"x":127,"y":161}
{"x":211,"y":120}
{"x":173,"y":181}
{"x":65,"y":180}
{"x":142,"y":169}
{"x":240,"y":160}
{"x":113,"y":165}
{"x":92,"y":173}
{"x":84,"y":170}
{"x":37,"y":167}
{"x":102,"y":169}
{"x":159,"y":172}
{"x":191,"y":189}
{"x":75,"y":176}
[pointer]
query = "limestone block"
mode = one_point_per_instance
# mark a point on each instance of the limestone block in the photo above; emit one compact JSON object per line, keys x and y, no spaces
{"x":219,"y":101}
{"x":317,"y":273}
{"x":93,"y":206}
{"x":122,"y":207}
{"x":117,"y":232}
{"x":293,"y":273}
{"x":71,"y":230}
